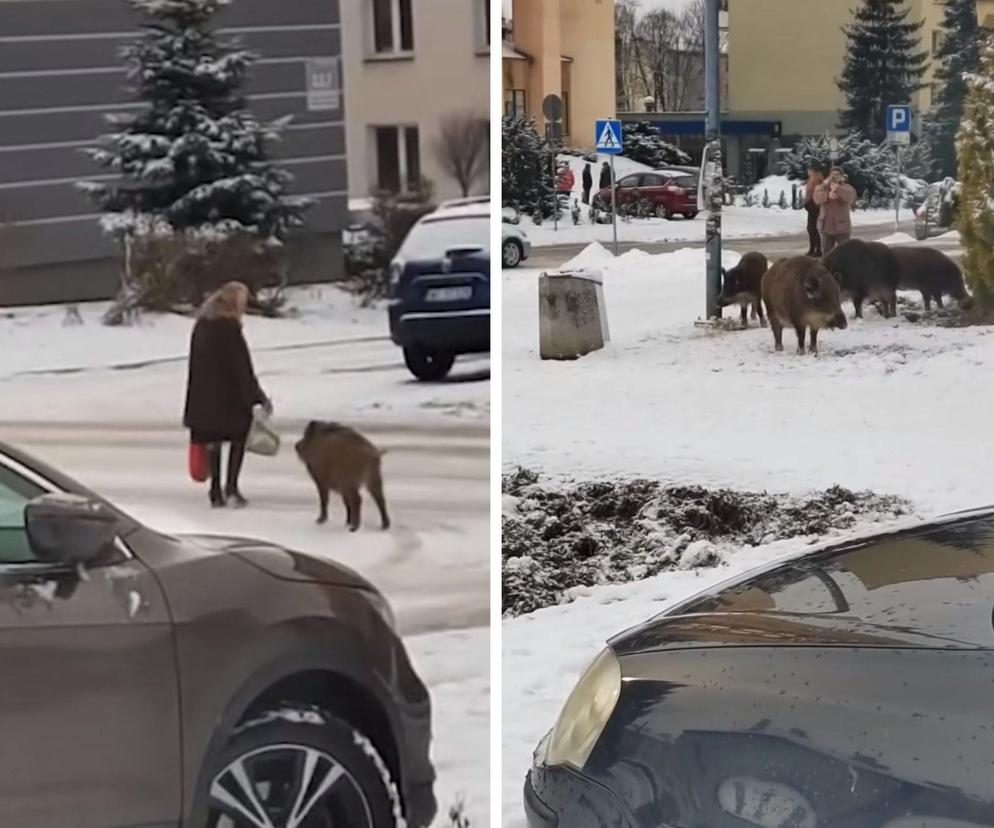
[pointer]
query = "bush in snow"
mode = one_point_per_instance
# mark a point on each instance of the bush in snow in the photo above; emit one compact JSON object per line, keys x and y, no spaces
{"x":782,"y":203}
{"x":975,"y":144}
{"x":644,"y":144}
{"x":869,"y":167}
{"x":766,"y":198}
{"x":193,"y":161}
{"x":526,"y":169}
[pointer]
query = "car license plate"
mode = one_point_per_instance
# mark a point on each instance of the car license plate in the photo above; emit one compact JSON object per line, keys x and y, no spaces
{"x":448,"y":294}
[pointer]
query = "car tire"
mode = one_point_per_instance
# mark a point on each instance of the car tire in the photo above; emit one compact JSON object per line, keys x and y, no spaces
{"x":690,"y":216}
{"x":428,"y":366}
{"x":511,"y":253}
{"x":663,"y":212}
{"x":277,"y":750}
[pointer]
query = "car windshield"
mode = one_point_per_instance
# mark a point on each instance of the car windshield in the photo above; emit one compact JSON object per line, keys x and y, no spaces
{"x":430,"y":239}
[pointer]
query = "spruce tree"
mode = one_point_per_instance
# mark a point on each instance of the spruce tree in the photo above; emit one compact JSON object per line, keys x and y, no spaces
{"x":975,"y":145}
{"x":526,"y":169}
{"x":884,"y":65}
{"x":958,"y":55}
{"x":193,"y":158}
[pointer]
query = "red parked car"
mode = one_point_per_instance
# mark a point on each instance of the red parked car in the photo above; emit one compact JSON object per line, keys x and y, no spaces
{"x":669,"y":193}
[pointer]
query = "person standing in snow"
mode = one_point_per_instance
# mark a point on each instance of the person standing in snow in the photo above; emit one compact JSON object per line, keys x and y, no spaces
{"x":835,"y":198}
{"x":605,"y":181}
{"x":222,"y":388}
{"x":566,"y":180}
{"x":588,"y":183}
{"x":815,"y":177}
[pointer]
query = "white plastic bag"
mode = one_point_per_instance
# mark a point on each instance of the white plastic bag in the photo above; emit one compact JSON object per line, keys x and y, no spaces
{"x":262,"y":437}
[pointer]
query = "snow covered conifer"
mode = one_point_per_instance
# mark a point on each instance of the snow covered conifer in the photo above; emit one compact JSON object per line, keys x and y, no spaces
{"x":193,"y":159}
{"x":975,"y":144}
{"x":644,"y":144}
{"x":958,"y":55}
{"x":883,"y":65}
{"x":526,"y":169}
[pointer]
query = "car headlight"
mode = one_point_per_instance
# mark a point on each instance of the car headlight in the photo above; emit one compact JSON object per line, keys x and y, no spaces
{"x":585,"y":713}
{"x":383,"y":609}
{"x":396,"y":271}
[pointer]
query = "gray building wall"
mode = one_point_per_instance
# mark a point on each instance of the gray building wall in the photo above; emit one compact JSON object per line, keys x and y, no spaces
{"x":61,"y":71}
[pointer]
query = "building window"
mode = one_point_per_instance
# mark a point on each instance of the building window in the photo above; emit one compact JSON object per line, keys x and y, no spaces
{"x":514,"y":103}
{"x":936,"y":41}
{"x":566,"y":113}
{"x":482,"y":18}
{"x":398,"y":158}
{"x":393,"y":27}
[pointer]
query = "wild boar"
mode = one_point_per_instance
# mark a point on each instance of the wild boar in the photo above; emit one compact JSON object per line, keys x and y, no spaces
{"x":799,"y":292}
{"x":742,"y":286}
{"x":339,"y":459}
{"x":933,"y":273}
{"x":865,"y":270}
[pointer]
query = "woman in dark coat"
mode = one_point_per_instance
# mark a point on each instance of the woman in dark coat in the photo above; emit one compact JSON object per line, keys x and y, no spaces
{"x":605,"y":181}
{"x":588,"y":183}
{"x":222,"y":388}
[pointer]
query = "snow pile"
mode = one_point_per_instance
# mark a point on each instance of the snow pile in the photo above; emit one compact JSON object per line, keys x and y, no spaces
{"x":560,"y":541}
{"x":774,"y":186}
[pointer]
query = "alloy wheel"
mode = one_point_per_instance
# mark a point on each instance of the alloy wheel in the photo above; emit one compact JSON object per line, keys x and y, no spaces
{"x":287,"y":786}
{"x":512,"y":254}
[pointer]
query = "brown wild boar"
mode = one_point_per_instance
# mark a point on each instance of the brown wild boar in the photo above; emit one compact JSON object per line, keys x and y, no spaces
{"x":933,"y":273}
{"x":865,"y":270}
{"x":800,"y":293}
{"x":341,"y":460}
{"x":742,"y":286}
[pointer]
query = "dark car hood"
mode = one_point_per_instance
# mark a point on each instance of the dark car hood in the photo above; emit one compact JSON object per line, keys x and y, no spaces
{"x":931,"y":586}
{"x":282,"y":563}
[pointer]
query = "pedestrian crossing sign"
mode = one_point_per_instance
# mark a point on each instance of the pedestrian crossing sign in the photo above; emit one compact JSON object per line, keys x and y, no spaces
{"x":608,"y":134}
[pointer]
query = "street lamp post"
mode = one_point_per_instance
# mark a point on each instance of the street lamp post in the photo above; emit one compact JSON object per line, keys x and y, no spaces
{"x":711,"y":168}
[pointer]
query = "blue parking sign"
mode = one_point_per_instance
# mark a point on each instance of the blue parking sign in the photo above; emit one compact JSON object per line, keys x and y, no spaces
{"x":608,"y":134}
{"x":899,"y":118}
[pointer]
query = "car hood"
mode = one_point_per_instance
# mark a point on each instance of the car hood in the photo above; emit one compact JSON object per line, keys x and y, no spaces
{"x":929,"y":587}
{"x":283,"y":563}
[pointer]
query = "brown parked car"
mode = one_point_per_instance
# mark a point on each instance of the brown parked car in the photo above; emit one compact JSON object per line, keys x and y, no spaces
{"x":204,"y":682}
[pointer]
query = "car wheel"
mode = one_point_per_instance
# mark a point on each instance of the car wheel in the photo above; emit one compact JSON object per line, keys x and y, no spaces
{"x":690,"y":216}
{"x":662,"y":211}
{"x":301,"y":767}
{"x":511,"y":253}
{"x":428,"y":365}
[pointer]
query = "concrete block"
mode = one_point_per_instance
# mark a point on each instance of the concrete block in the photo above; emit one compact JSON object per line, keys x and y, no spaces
{"x":572,"y":315}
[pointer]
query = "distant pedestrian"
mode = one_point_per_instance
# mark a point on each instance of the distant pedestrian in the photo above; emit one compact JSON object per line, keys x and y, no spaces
{"x":222,"y":388}
{"x":605,"y":181}
{"x":815,"y":177}
{"x":588,"y":183}
{"x":835,"y":197}
{"x":566,"y":180}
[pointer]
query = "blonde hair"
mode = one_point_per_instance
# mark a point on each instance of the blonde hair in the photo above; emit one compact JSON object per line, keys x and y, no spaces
{"x":227,"y":302}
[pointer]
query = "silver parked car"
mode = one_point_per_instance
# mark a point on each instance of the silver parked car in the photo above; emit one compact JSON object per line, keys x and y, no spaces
{"x":514,"y":247}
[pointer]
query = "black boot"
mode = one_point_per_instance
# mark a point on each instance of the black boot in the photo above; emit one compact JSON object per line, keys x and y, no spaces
{"x":214,"y":457}
{"x":236,"y":456}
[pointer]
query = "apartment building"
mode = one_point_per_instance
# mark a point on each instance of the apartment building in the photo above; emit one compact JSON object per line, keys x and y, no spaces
{"x":564,"y":48}
{"x":411,"y":66}
{"x":60,"y":72}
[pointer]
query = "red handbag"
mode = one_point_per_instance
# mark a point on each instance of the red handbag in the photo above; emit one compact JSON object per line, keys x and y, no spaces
{"x":199,"y":471}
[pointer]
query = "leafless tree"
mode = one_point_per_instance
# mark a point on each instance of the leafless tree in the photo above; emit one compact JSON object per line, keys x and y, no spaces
{"x":626,"y":53}
{"x":463,"y":150}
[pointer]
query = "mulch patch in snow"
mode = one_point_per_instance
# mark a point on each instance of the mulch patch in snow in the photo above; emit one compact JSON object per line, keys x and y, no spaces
{"x":560,"y":539}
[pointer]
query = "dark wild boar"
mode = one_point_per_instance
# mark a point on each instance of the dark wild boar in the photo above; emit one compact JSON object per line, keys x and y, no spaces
{"x":865,"y":270}
{"x":800,"y":293}
{"x":932,"y":273}
{"x":341,"y":460}
{"x":742,"y":286}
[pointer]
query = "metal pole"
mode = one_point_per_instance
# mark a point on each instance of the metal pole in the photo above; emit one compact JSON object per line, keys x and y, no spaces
{"x":555,"y":187}
{"x":897,"y":189}
{"x":712,"y":150}
{"x":614,"y":207}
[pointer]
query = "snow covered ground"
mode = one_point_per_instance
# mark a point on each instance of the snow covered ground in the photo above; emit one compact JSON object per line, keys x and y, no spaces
{"x":104,"y":404}
{"x":882,"y":408}
{"x":737,"y":222}
{"x":329,"y":359}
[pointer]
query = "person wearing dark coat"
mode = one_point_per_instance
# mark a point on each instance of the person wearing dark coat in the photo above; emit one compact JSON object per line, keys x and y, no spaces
{"x":222,"y":388}
{"x":588,"y":183}
{"x":605,"y":181}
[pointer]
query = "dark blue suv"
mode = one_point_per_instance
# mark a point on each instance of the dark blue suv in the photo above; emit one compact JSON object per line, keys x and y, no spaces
{"x":440,"y":288}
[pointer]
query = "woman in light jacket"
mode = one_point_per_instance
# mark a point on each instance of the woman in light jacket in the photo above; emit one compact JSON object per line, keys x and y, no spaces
{"x":835,"y":197}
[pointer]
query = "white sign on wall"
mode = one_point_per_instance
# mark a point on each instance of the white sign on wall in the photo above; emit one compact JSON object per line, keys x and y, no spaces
{"x":324,"y":84}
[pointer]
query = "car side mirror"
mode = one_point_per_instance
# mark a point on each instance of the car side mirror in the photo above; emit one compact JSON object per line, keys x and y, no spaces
{"x":69,"y":529}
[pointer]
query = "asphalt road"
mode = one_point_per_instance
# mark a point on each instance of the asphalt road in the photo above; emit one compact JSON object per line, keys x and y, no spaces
{"x":773,"y":246}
